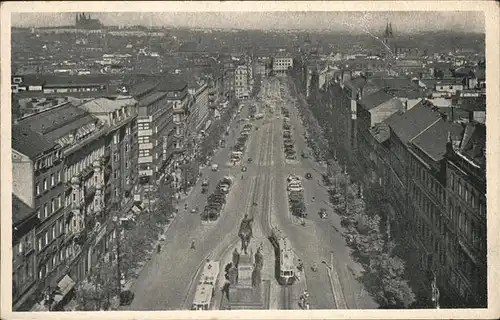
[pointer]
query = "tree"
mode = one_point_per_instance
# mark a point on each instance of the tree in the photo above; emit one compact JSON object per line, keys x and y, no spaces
{"x":387,"y":284}
{"x":108,"y":281}
{"x":88,"y":296}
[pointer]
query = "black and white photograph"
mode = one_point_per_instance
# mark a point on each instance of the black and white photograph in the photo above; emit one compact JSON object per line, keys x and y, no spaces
{"x":237,"y":159}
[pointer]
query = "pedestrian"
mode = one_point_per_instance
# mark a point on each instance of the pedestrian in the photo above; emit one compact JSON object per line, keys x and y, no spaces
{"x":192,"y":245}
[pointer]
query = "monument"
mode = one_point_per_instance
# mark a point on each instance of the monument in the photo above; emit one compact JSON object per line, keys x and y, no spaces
{"x":245,"y":288}
{"x":245,"y":232}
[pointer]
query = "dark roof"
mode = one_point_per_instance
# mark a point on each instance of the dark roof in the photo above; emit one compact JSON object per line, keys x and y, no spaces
{"x":51,"y":79}
{"x":24,"y":219}
{"x":473,"y":104}
{"x":432,"y":140}
{"x":474,"y":143}
{"x":356,"y":83}
{"x":152,"y":97}
{"x":406,"y":125}
{"x":58,"y":122}
{"x":82,"y":94}
{"x":440,"y":65}
{"x":143,"y":87}
{"x":395,"y":83}
{"x":29,"y":142}
{"x":171,"y":82}
{"x":375,"y":99}
{"x":20,"y":210}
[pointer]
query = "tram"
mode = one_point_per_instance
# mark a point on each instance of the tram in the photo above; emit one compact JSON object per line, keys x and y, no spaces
{"x":206,"y":286}
{"x":286,"y":257}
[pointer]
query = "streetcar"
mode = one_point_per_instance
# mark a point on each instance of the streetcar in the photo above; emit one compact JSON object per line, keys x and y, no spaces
{"x":286,"y":257}
{"x":206,"y":286}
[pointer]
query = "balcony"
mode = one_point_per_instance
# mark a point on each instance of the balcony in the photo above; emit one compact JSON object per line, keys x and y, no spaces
{"x":86,"y":173}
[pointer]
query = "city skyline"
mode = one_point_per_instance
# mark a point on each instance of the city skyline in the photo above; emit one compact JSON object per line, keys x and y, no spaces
{"x":353,"y":22}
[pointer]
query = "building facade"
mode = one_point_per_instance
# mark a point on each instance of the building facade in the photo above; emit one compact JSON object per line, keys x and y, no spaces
{"x":281,"y":63}
{"x":78,"y":189}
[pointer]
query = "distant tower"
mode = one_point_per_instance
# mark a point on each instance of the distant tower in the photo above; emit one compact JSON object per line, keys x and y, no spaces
{"x":388,"y":50}
{"x":307,"y":44}
{"x":388,"y":35}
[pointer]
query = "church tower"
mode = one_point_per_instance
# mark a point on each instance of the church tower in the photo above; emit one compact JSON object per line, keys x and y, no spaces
{"x":388,"y":35}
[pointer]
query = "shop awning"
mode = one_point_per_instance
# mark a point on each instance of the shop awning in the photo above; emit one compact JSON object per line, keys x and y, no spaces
{"x":65,"y":286}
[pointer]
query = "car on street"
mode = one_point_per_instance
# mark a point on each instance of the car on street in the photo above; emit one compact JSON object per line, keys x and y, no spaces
{"x":250,"y":160}
{"x":244,"y":169}
{"x":215,"y":167}
{"x":293,"y":178}
{"x":323,"y":214}
{"x":308,"y":176}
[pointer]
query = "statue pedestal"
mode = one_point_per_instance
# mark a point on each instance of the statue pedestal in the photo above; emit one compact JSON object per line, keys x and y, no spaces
{"x":243,"y":295}
{"x":245,"y":269}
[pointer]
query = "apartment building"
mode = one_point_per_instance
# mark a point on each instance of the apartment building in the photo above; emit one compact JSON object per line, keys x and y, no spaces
{"x":177,"y":137}
{"x":119,"y":164}
{"x":61,"y":237}
{"x":36,"y":166}
{"x":242,"y":82}
{"x":77,"y":193}
{"x":466,"y":204}
{"x":153,"y":122}
{"x":281,"y":62}
{"x":229,"y":79}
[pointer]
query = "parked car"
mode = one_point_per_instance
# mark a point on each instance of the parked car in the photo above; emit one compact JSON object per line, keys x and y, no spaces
{"x":308,"y":176}
{"x":323,"y":214}
{"x":293,"y":178}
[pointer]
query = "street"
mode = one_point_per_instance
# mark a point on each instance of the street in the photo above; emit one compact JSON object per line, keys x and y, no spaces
{"x":166,"y":282}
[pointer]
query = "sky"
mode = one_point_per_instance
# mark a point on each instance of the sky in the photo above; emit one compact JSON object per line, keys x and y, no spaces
{"x":402,"y":22}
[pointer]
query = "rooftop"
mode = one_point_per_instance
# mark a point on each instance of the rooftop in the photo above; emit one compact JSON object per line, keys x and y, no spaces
{"x":58,"y":122}
{"x":171,"y":82}
{"x":380,"y":132}
{"x":473,"y":143}
{"x":473,"y":103}
{"x":432,"y":140}
{"x":356,"y":83}
{"x":51,"y":79}
{"x":106,"y":105}
{"x":29,"y":142}
{"x":406,"y":125}
{"x":152,"y":97}
{"x":375,"y":99}
{"x":20,"y":210}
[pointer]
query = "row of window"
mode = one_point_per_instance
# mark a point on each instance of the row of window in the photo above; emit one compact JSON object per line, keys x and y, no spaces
{"x":50,"y":234}
{"x":23,"y":274}
{"x":48,"y":160}
{"x":467,"y":226}
{"x":76,"y":168}
{"x":50,"y":207}
{"x":466,"y":192}
{"x":47,"y":184}
{"x":55,"y":261}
